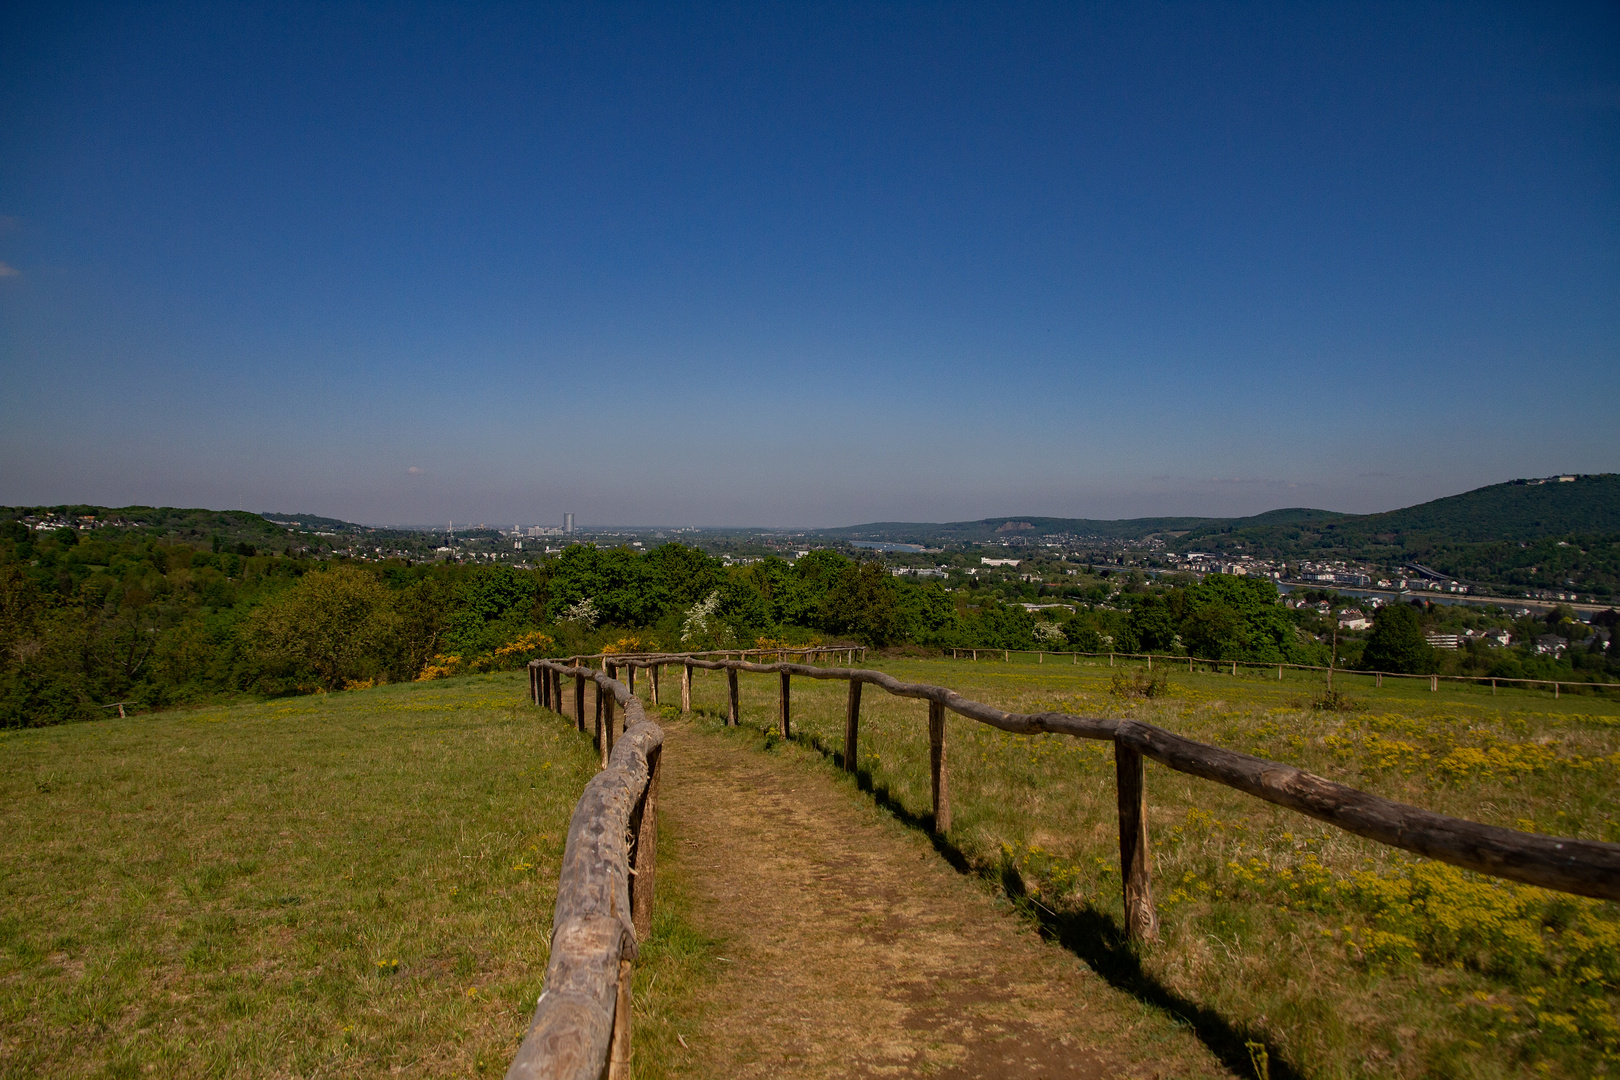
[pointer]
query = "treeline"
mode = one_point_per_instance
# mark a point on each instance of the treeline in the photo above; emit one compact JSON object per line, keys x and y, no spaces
{"x":92,"y":619}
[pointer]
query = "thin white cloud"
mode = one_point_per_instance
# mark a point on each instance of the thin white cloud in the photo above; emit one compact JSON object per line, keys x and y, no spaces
{"x":414,"y":471}
{"x":8,"y":271}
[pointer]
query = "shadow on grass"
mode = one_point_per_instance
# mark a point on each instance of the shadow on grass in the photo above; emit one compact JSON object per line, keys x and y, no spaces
{"x":1094,"y":936}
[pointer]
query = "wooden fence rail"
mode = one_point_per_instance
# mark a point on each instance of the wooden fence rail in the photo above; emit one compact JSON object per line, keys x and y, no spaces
{"x":581,"y":1024}
{"x":575,"y":1027}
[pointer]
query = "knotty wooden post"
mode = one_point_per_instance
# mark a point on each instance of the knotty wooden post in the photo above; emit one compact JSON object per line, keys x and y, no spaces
{"x":1141,"y":921}
{"x":653,"y":675}
{"x":579,"y":702}
{"x":732,"y":716}
{"x":852,"y":725}
{"x":937,"y":772}
{"x":686,"y":688}
{"x":619,"y":1056}
{"x":784,"y":707}
{"x":601,"y":732}
{"x":644,"y":871}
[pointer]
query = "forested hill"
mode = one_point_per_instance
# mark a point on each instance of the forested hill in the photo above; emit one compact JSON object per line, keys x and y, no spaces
{"x":1522,"y":511}
{"x":1518,"y":511}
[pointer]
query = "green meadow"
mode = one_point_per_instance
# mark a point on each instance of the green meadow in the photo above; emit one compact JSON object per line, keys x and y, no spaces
{"x":338,"y":885}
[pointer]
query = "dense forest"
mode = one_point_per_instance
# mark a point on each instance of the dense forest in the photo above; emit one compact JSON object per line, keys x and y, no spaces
{"x":94,"y":618}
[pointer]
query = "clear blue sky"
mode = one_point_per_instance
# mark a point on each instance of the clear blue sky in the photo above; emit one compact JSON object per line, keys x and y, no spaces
{"x":804,"y":264}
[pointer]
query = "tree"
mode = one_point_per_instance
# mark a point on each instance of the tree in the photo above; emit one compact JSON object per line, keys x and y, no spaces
{"x":1150,"y":627}
{"x":337,"y":625}
{"x":861,"y":602}
{"x":1396,"y":643}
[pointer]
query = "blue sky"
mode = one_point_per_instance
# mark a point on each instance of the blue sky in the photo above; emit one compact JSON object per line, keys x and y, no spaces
{"x":804,"y":264}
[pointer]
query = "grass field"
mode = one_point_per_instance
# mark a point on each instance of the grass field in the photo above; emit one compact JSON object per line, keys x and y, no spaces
{"x":1342,"y":957}
{"x":358,"y":884}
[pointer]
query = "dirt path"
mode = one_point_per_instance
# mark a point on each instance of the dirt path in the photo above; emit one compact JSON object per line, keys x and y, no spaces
{"x":853,"y":950}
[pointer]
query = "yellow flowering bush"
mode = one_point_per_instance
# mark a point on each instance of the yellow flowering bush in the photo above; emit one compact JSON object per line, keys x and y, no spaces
{"x":630,"y":643}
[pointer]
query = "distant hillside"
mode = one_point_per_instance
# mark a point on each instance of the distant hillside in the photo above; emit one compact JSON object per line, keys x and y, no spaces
{"x":190,"y":524}
{"x":991,"y":529}
{"x":1544,"y":534}
{"x":1518,"y":512}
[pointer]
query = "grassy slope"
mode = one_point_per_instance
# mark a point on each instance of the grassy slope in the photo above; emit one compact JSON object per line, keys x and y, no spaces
{"x":1278,"y":929}
{"x":343,"y":885}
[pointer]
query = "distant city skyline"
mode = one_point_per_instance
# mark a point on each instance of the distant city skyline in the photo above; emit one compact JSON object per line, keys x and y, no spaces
{"x":805,"y":266}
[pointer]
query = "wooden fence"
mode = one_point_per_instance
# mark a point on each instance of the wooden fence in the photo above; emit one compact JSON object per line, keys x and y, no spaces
{"x":585,"y":1008}
{"x":1168,"y":659}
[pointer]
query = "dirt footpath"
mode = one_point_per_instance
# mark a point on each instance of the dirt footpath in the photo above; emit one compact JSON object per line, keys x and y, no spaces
{"x":854,"y":950}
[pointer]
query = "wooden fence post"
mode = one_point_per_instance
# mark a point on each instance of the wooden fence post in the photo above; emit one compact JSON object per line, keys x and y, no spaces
{"x":1493,"y":686}
{"x":619,"y":1055}
{"x":1279,"y":673}
{"x":852,"y":725}
{"x":686,"y":688}
{"x":652,"y":674}
{"x":784,"y":707}
{"x":601,"y":734}
{"x":609,"y":722}
{"x":1555,"y":690}
{"x":1434,"y":683}
{"x":732,"y":716}
{"x":534,"y":695}
{"x":579,"y":702}
{"x":630,"y":676}
{"x":937,"y":771}
{"x":1378,"y":679}
{"x":1040,"y":657}
{"x":644,"y":872}
{"x":1141,"y":920}
{"x":556,"y":692}
{"x":1006,"y":656}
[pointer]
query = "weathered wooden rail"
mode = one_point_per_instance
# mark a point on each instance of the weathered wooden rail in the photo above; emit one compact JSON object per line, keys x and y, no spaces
{"x":581,"y":1024}
{"x":596,"y":889}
